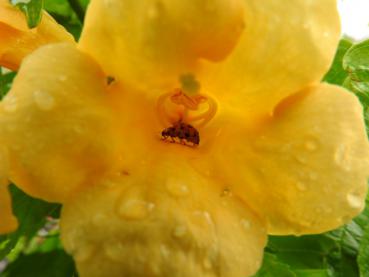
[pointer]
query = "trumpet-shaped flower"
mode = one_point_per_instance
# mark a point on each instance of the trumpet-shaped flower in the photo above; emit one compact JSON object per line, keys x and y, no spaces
{"x":178,"y":134}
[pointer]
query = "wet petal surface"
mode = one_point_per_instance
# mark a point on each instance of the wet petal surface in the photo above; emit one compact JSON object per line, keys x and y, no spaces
{"x":162,"y":224}
{"x":17,"y":40}
{"x":306,"y":169}
{"x":58,"y":123}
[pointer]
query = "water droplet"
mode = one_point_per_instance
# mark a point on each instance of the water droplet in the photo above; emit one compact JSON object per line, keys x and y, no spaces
{"x":177,"y":188}
{"x":311,"y":145}
{"x":62,"y":78}
{"x":226,"y":193}
{"x":43,"y":100}
{"x":341,"y":157}
{"x":202,"y":218}
{"x":301,"y":186}
{"x":313,"y":176}
{"x":152,"y":12}
{"x":98,"y":219}
{"x":10,"y":103}
{"x":207,"y":263}
{"x":84,"y":253}
{"x":135,"y":209}
{"x":164,"y":251}
{"x":246,"y":224}
{"x":179,"y":231}
{"x":355,"y":201}
{"x":114,"y":250}
{"x":301,"y":159}
{"x":326,"y":34}
{"x":79,"y":129}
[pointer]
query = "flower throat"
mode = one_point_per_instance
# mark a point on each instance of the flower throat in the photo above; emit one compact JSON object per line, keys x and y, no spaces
{"x":183,"y":113}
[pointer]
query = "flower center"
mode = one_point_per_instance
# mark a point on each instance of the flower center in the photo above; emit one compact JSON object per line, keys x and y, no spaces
{"x":182,"y":113}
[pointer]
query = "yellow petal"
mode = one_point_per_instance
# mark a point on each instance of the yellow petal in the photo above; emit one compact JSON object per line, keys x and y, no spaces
{"x":153,"y":42}
{"x":8,"y":223}
{"x":17,"y":41}
{"x":166,"y":220}
{"x":284,"y":47}
{"x":58,"y":124}
{"x":306,"y":170}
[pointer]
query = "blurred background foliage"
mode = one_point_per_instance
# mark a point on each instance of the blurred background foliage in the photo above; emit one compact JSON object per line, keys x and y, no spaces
{"x":34,"y":250}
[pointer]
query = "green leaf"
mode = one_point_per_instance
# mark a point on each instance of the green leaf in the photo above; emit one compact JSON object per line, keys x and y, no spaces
{"x":303,"y":253}
{"x":53,"y":264}
{"x":31,"y":214}
{"x":272,"y":268}
{"x":32,"y":9}
{"x":337,"y":75}
{"x":356,"y":63}
{"x":363,"y":258}
{"x":6,"y":79}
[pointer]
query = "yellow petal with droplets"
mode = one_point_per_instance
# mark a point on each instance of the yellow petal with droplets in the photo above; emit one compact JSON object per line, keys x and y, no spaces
{"x":284,"y":47}
{"x":150,"y":42}
{"x":165,"y":220}
{"x":307,"y":169}
{"x":17,"y":41}
{"x":58,"y":124}
{"x":8,"y":222}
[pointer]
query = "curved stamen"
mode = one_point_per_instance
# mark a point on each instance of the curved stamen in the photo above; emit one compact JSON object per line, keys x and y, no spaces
{"x":205,"y":116}
{"x":186,"y":105}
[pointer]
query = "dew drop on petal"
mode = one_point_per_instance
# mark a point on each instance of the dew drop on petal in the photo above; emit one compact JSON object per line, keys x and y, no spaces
{"x":62,"y":78}
{"x":311,"y":145}
{"x":246,"y":224}
{"x":207,"y":263}
{"x":10,"y":103}
{"x":114,"y":250}
{"x":301,"y":186}
{"x":301,"y":159}
{"x":341,"y":157}
{"x":202,"y":218}
{"x":179,"y":231}
{"x":164,"y":251}
{"x":354,"y":201}
{"x":135,"y":209}
{"x":43,"y":100}
{"x":177,"y":189}
{"x":84,"y":253}
{"x":313,"y":176}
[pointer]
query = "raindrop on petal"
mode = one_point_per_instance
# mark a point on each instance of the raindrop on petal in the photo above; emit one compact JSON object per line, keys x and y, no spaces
{"x":177,"y":189}
{"x":43,"y":100}
{"x":355,"y":201}
{"x":84,"y":253}
{"x":10,"y":103}
{"x":135,"y":209}
{"x":179,"y":231}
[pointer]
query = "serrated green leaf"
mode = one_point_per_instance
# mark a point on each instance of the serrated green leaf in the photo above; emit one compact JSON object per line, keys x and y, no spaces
{"x":32,"y":9}
{"x":363,"y":258}
{"x":31,"y":214}
{"x":337,"y":75}
{"x":53,"y":264}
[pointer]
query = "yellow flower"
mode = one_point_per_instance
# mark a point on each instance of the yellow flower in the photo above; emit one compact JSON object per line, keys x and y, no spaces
{"x":279,"y":153}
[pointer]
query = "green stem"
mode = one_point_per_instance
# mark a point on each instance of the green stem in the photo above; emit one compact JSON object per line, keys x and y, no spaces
{"x":78,"y":9}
